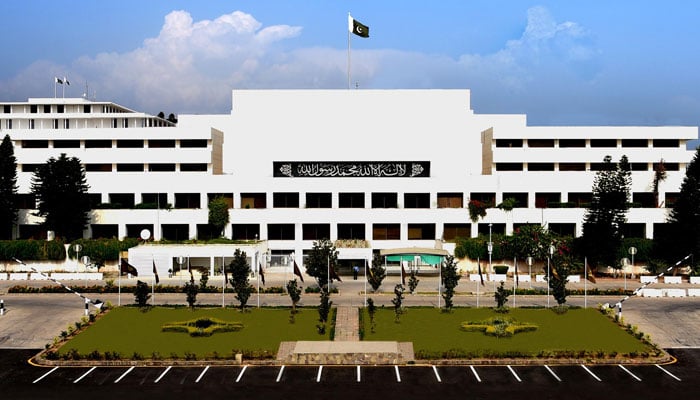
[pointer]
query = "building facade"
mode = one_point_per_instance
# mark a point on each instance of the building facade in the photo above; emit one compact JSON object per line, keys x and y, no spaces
{"x":371,"y":169}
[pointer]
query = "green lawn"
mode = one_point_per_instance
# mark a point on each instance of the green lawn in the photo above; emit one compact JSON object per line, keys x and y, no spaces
{"x":436,"y":334}
{"x":127,"y":330}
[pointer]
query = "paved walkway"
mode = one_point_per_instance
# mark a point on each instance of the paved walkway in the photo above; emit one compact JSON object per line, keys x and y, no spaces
{"x":347,"y":324}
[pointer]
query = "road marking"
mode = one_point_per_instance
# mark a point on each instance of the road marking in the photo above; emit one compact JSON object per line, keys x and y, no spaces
{"x":513,"y":372}
{"x":202,"y":374}
{"x":398,"y":376}
{"x":437,"y":376}
{"x":629,"y":372}
{"x":279,"y":375}
{"x":45,"y":375}
{"x":124,"y":374}
{"x":318,"y":375}
{"x":162,"y":375}
{"x":591,"y":372}
{"x":475,"y":374}
{"x":240,"y":375}
{"x":84,"y":375}
{"x":670,"y":374}
{"x":358,"y":373}
{"x":552,"y":372}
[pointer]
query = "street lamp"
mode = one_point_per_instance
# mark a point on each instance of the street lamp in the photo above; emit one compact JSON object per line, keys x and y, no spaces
{"x":180,"y":260}
{"x":77,"y":247}
{"x":529,"y":260}
{"x":632,"y":251}
{"x":86,"y":262}
{"x":625,"y":261}
{"x":489,"y":247}
{"x":551,"y":253}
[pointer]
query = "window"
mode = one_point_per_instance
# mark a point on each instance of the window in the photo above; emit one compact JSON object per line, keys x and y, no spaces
{"x":668,"y":166}
{"x":351,"y":231}
{"x":98,"y":144}
{"x":572,"y":142}
{"x":562,"y":229}
{"x":509,"y":143}
{"x":384,"y":200}
{"x":161,"y":167}
{"x":30,"y":167}
{"x":540,"y":166}
{"x":55,"y":123}
{"x":639,"y":166}
{"x":487,"y":198}
{"x":635,"y":143}
{"x":421,"y":231}
{"x":315,"y":231}
{"x":121,"y":200}
{"x":193,"y":167}
{"x":156,"y":200}
{"x":416,"y":200}
{"x":671,"y":198}
{"x":452,"y":231}
{"x":603,"y":142}
{"x":66,"y":124}
{"x":35,"y":144}
{"x":544,"y":200}
{"x":351,"y":200}
{"x":572,"y":166}
{"x":176,"y":231}
{"x":87,"y":108}
{"x":228,"y":198}
{"x":245,"y":231}
{"x":386,"y":232}
{"x":129,"y":167}
{"x":509,"y":166}
{"x":129,"y":144}
{"x":496,"y":229}
{"x":8,"y":124}
{"x":114,"y":123}
{"x":187,"y":200}
{"x":318,"y":200}
{"x":25,"y":201}
{"x":7,"y":109}
{"x":193,"y":143}
{"x":280,"y":231}
{"x":285,"y":200}
{"x":540,"y":143}
{"x":580,"y":199}
{"x":643,"y":199}
{"x":33,"y":108}
{"x":104,"y":231}
{"x":95,"y":199}
{"x":634,"y":230}
{"x":161,"y":143}
{"x":666,"y":143}
{"x":47,"y":109}
{"x":253,"y":200}
{"x":450,"y":200}
{"x":134,"y":230}
{"x":519,"y":197}
{"x":98,"y":167}
{"x":60,"y":108}
{"x":66,"y":144}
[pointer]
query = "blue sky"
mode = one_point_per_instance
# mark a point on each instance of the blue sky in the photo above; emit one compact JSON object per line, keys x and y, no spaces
{"x":593,"y":62}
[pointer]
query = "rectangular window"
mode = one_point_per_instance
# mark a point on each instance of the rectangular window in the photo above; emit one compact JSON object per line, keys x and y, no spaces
{"x":416,"y":200}
{"x":114,"y":123}
{"x":7,"y":109}
{"x":31,"y":123}
{"x":25,"y":201}
{"x":193,"y":143}
{"x":8,"y":124}
{"x":540,"y":143}
{"x":318,"y":200}
{"x":122,"y":200}
{"x":66,"y":124}
{"x":228,"y":198}
{"x":351,"y":200}
{"x":572,"y":142}
{"x":280,"y":231}
{"x":668,"y":166}
{"x":572,"y":166}
{"x":176,"y":231}
{"x":580,"y":199}
{"x":544,"y":200}
{"x":98,"y":167}
{"x":55,"y":123}
{"x":315,"y":231}
{"x":671,"y":198}
{"x":635,"y":143}
{"x":562,"y":229}
{"x":161,"y":167}
{"x":634,"y":230}
{"x":66,"y":144}
{"x":643,"y":199}
{"x":129,"y":167}
{"x":639,"y":166}
{"x":285,"y":200}
{"x":193,"y":167}
{"x":351,"y":231}
{"x":384,"y":200}
{"x":129,"y":144}
{"x":87,"y":108}
{"x":47,"y":109}
{"x":487,"y":198}
{"x":450,"y":200}
{"x":161,"y":143}
{"x":245,"y":231}
{"x":540,"y":166}
{"x":98,"y":144}
{"x":603,"y":142}
{"x":33,"y":108}
{"x":509,"y":143}
{"x":386,"y":232}
{"x":95,"y":200}
{"x":30,"y":167}
{"x":509,"y":166}
{"x":156,"y":200}
{"x":666,"y":143}
{"x":35,"y":144}
{"x":452,"y":231}
{"x":519,"y":197}
{"x":60,"y":108}
{"x":187,"y":200}
{"x":421,"y":231}
{"x":253,"y":200}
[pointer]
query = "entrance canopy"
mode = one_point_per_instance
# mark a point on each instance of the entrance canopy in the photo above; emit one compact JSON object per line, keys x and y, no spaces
{"x":427,"y":256}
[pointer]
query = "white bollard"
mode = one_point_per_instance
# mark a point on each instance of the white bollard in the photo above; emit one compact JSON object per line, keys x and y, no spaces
{"x":2,"y":307}
{"x":87,"y":311}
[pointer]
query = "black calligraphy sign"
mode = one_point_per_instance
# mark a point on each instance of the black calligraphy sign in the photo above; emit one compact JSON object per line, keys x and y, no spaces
{"x":357,"y":169}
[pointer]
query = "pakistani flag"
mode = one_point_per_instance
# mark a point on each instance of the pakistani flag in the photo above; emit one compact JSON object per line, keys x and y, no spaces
{"x":357,"y":27}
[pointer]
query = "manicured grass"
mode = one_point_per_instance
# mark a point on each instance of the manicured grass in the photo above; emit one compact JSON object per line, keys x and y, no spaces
{"x":127,"y":330}
{"x":435,"y":334}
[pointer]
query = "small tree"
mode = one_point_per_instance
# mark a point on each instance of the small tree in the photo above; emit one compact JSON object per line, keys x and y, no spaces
{"x":142,"y":294}
{"x":397,"y":301}
{"x":8,"y":188}
{"x":322,"y":256}
{"x":240,"y":273}
{"x":563,"y":263}
{"x":412,"y":282}
{"x":450,"y":280}
{"x":501,"y":297}
{"x":191,"y":291}
{"x":203,"y":280}
{"x":218,"y":214}
{"x":377,"y":273}
{"x":324,"y":309}
{"x":371,"y":310}
{"x":294,"y":291}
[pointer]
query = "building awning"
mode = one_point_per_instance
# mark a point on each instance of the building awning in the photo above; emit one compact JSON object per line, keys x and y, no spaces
{"x":427,"y":256}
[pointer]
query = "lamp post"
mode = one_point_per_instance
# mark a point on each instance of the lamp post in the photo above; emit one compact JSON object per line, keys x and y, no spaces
{"x":632,"y":251}
{"x":551,"y":253}
{"x":489,"y":247}
{"x":180,"y":260}
{"x":625,"y":261}
{"x":78,"y":248}
{"x":86,"y":262}
{"x":529,"y":260}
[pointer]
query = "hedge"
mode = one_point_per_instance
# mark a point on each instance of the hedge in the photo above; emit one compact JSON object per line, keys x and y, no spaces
{"x":32,"y":250}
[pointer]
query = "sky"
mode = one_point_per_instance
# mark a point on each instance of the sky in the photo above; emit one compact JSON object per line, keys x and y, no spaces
{"x":592,"y":62}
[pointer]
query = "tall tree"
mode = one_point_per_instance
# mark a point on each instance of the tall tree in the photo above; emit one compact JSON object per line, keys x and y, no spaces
{"x":218,"y":214}
{"x":61,"y":189}
{"x":8,"y":188}
{"x":240,"y":273}
{"x":377,"y":273}
{"x":322,"y":257}
{"x":683,"y":235}
{"x":450,"y":280}
{"x":605,"y":218}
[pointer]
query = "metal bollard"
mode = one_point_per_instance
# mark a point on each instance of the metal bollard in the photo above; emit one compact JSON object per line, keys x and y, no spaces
{"x":87,"y":311}
{"x":2,"y":307}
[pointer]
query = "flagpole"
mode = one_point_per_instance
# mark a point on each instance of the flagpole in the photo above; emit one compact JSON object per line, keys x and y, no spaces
{"x":223,"y":286}
{"x":478,"y":263}
{"x":515,"y":277}
{"x":439,"y":285}
{"x":258,"y":264}
{"x":585,"y":282}
{"x":365,"y":282}
{"x":153,"y":288}
{"x":119,"y":280}
{"x":349,"y":29}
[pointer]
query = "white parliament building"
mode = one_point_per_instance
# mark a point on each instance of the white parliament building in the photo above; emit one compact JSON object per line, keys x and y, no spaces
{"x":373,"y":170}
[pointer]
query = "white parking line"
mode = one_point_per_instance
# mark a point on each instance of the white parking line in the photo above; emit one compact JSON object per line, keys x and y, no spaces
{"x":398,"y":376}
{"x":240,"y":375}
{"x":512,"y":371}
{"x":591,"y":372}
{"x":124,"y":374}
{"x":84,"y":375}
{"x":202,"y":374}
{"x":279,"y":375}
{"x":552,"y":372}
{"x":437,"y":376}
{"x":162,"y":375}
{"x":318,"y":375}
{"x":669,"y":374}
{"x":629,"y":372}
{"x":475,"y":374}
{"x":45,"y":375}
{"x":358,"y":374}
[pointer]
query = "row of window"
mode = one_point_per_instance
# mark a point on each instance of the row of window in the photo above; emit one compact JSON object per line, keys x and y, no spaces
{"x":83,"y":123}
{"x":568,"y":166}
{"x":132,"y":167}
{"x":108,"y":143}
{"x":568,"y":143}
{"x":355,"y":200}
{"x":58,"y":108}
